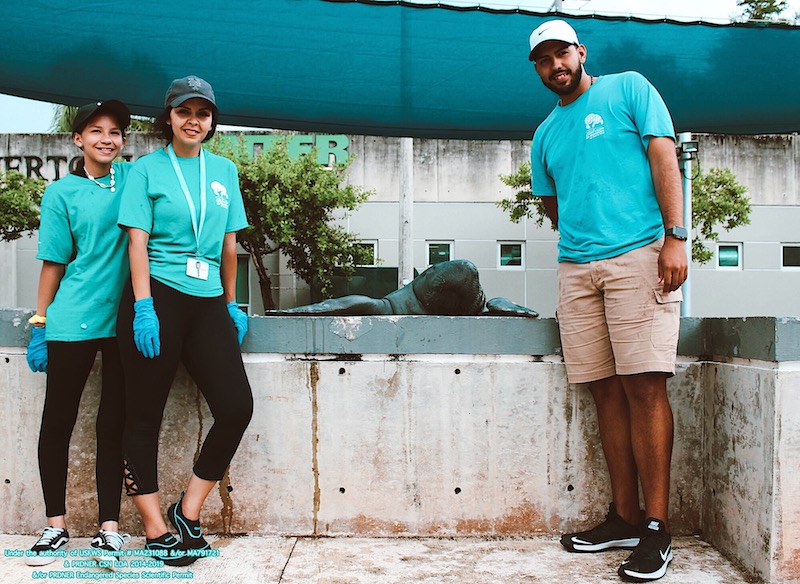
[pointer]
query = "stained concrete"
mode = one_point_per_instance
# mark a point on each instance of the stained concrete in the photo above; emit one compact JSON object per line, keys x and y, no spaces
{"x":290,"y":560}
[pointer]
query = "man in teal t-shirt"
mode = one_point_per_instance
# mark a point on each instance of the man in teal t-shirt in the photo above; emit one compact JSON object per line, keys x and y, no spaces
{"x":604,"y":164}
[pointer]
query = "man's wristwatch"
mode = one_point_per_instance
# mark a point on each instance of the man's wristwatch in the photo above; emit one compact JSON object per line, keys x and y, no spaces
{"x":678,"y":232}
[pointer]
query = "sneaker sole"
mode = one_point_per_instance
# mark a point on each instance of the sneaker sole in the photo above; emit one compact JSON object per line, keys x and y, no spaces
{"x":646,"y":576}
{"x":40,"y":561}
{"x":585,"y":547}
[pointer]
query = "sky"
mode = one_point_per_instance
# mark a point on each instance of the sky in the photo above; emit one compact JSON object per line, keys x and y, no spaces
{"x":19,"y":115}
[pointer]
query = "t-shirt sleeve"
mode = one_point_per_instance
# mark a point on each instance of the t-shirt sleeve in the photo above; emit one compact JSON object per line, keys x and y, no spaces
{"x":650,"y":113}
{"x":136,"y":207}
{"x":542,"y":184}
{"x":237,"y":218}
{"x":55,"y":237}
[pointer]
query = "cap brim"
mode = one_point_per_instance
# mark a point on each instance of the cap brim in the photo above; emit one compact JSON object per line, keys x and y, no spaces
{"x":179,"y":100}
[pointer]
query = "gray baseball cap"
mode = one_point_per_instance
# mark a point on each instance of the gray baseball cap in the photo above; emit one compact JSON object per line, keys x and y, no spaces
{"x":188,"y":87}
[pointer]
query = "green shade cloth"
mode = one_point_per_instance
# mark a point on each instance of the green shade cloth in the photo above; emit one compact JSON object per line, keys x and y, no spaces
{"x":385,"y":68}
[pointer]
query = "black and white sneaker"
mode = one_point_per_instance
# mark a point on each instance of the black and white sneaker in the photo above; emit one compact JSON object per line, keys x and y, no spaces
{"x":189,"y":530}
{"x":51,"y":540}
{"x":651,"y":557}
{"x":107,"y":544}
{"x":612,"y":533}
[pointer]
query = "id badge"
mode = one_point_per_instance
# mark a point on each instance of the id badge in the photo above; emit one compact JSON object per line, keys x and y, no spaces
{"x":197,"y":268}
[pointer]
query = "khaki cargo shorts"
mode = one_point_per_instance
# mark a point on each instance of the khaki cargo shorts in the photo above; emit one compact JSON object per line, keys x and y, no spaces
{"x":614,"y":318}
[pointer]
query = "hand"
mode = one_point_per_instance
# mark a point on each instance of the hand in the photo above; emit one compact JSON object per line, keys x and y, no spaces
{"x":239,"y":318}
{"x":146,"y":328}
{"x":37,"y":351}
{"x":673,"y":267}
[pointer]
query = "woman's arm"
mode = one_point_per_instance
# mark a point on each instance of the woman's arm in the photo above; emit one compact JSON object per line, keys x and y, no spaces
{"x":49,"y":281}
{"x":227,"y":266}
{"x":140,"y":263}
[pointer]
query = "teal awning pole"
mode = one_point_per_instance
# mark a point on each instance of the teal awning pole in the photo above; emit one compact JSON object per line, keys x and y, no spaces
{"x":405,"y":271}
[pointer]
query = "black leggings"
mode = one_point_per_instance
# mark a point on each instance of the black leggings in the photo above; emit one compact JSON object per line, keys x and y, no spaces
{"x":69,"y":365}
{"x":199,"y":333}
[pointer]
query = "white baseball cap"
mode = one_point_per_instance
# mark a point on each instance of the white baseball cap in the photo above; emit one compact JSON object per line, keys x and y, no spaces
{"x":552,"y":30}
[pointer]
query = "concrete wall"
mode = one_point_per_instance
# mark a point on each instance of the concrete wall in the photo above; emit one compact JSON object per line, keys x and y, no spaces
{"x":449,"y":426}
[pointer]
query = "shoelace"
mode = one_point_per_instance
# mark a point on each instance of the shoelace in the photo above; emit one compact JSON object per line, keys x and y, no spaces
{"x":114,"y":539}
{"x":48,"y":535}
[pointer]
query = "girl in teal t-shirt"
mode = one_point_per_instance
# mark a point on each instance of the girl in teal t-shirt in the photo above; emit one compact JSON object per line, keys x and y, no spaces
{"x":83,"y":272}
{"x":182,"y":208}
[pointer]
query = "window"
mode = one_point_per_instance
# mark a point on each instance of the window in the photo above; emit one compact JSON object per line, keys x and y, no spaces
{"x":729,"y":256}
{"x":371,"y":247}
{"x":791,"y":255}
{"x":510,"y":255}
{"x":243,"y":282}
{"x":439,"y":251}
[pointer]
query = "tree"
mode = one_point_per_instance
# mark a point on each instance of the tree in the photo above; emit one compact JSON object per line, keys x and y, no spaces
{"x":64,"y":114}
{"x":524,"y":204}
{"x":717,"y":200}
{"x":761,"y":10}
{"x":20,"y":198}
{"x":290,"y":205}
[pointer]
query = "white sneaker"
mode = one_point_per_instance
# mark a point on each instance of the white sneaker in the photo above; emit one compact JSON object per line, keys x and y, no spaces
{"x":110,"y":541}
{"x":51,"y":540}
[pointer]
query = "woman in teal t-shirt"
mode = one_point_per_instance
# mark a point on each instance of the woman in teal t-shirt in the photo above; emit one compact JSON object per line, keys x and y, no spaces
{"x":182,"y":209}
{"x":83,"y":272}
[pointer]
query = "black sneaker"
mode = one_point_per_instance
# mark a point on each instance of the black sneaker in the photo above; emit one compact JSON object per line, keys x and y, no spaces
{"x":51,"y":540}
{"x":169,"y":550}
{"x":651,"y":557}
{"x":612,"y":533}
{"x":188,"y":530}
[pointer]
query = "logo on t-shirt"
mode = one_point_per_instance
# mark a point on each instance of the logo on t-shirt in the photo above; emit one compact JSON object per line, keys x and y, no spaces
{"x":221,"y":197}
{"x":594,"y":126}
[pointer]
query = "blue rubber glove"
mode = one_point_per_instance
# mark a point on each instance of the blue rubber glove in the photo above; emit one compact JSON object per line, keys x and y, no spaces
{"x":239,"y":318}
{"x":146,"y":328}
{"x":37,"y":350}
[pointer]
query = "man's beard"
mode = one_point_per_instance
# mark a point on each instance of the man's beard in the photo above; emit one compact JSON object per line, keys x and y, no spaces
{"x":559,"y":89}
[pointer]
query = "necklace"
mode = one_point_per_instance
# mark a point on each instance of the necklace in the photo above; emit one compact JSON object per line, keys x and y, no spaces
{"x":110,"y":184}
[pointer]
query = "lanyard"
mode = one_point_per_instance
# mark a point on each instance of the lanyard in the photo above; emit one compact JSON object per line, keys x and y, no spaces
{"x":197,"y":229}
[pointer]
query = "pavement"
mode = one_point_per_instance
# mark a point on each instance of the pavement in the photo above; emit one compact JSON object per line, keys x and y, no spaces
{"x":344,"y":560}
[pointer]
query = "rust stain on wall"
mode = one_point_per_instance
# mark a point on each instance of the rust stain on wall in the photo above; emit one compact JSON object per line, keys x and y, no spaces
{"x":314,"y":382}
{"x":523,"y":519}
{"x":227,"y":502}
{"x":364,"y":525}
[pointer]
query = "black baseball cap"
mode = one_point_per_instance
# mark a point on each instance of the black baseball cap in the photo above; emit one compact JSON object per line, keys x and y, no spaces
{"x":112,"y":107}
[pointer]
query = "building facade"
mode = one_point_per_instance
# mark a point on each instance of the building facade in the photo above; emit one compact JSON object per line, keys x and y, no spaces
{"x":755,"y":270}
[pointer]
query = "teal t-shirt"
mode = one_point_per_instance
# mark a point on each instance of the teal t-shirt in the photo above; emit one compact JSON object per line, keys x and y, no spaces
{"x":79,"y":229}
{"x":592,"y":156}
{"x":154,"y":202}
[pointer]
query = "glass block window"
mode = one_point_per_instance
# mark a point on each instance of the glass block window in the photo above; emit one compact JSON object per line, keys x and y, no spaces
{"x":791,"y":255}
{"x":439,"y":251}
{"x":510,"y":255}
{"x":729,"y":256}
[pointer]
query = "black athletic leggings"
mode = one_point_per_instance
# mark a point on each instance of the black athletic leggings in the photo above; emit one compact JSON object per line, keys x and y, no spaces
{"x":199,"y":333}
{"x":68,"y":367}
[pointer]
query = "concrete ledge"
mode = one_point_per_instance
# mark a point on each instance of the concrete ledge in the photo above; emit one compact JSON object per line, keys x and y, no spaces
{"x":761,"y":338}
